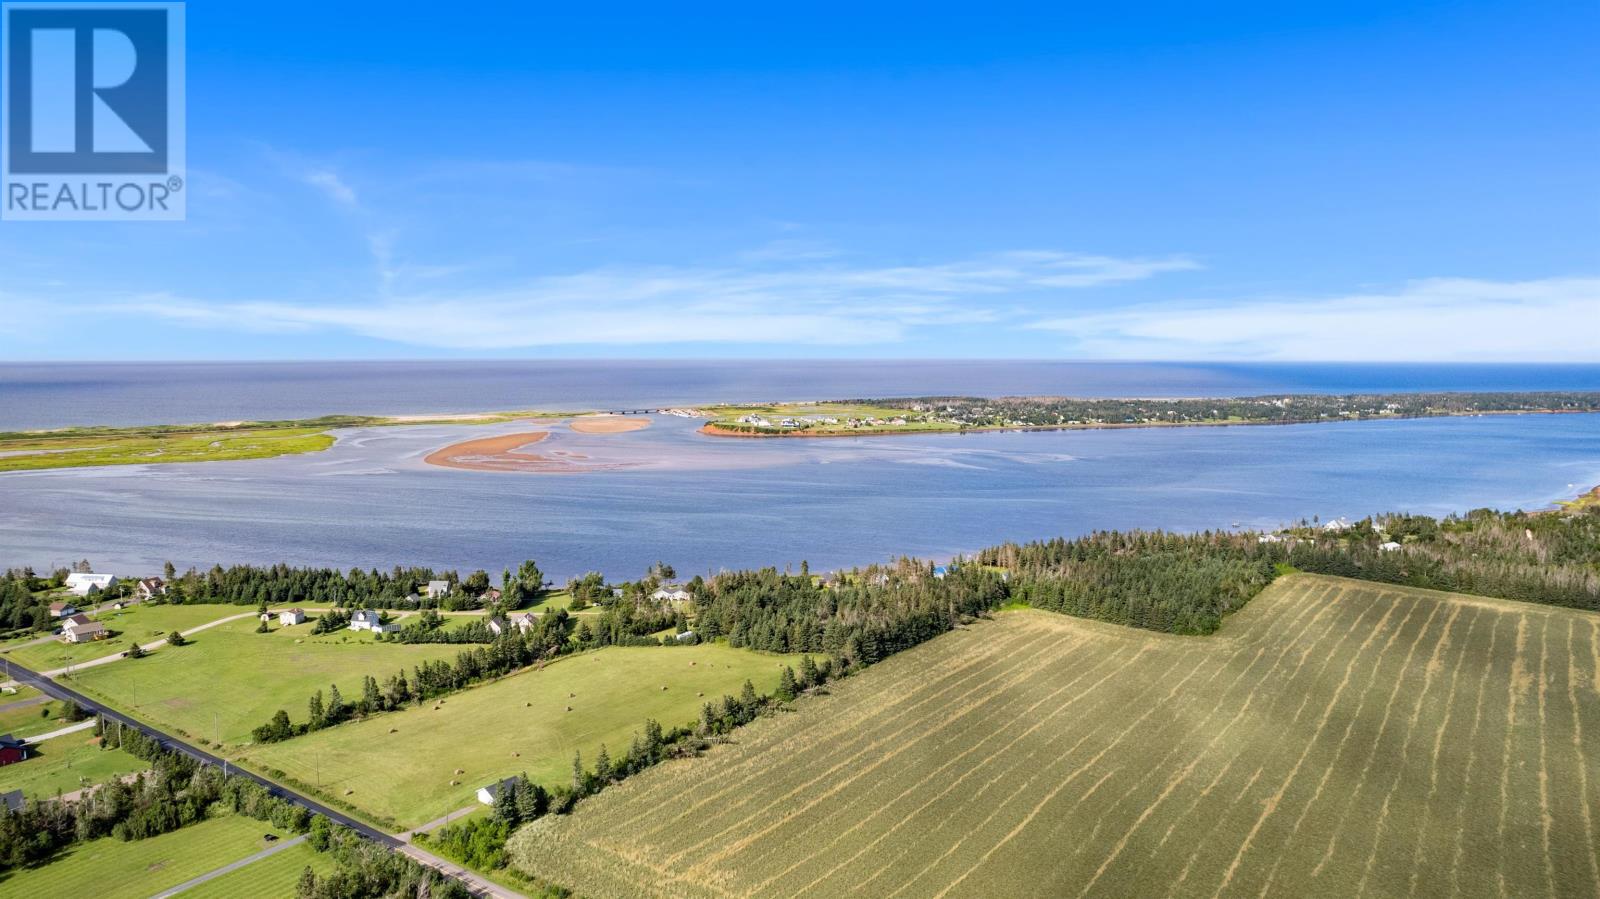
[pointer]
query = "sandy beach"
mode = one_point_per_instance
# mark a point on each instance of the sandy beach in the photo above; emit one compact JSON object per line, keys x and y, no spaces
{"x":609,"y":424}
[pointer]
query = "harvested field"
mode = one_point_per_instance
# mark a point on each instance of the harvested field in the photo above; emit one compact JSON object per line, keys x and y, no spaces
{"x":1336,"y":738}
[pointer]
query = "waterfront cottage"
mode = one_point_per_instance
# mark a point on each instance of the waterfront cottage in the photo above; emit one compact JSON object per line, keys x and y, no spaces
{"x":150,"y":588}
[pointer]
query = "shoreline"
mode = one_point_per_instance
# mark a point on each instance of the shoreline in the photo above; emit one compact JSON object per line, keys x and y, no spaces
{"x":715,"y":429}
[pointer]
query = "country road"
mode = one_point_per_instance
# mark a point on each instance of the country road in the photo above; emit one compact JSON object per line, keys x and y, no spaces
{"x":475,"y":884}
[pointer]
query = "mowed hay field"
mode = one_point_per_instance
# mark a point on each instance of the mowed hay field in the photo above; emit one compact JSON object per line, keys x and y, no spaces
{"x":1336,"y":738}
{"x":399,"y":766}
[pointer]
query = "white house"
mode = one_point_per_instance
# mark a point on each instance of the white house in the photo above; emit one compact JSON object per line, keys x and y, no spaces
{"x":79,"y":629}
{"x":1389,"y":547}
{"x":371,"y":620}
{"x":671,"y":594}
{"x":685,"y":637}
{"x":524,"y":621}
{"x":437,"y":589}
{"x":151,"y":587}
{"x":292,"y":617}
{"x":486,"y":795}
{"x":62,"y":610}
{"x":82,"y":583}
{"x":497,"y":625}
{"x":1269,"y":538}
{"x":1336,"y":525}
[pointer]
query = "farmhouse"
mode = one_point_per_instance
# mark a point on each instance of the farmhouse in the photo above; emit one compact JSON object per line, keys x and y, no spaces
{"x":437,"y":589}
{"x":371,"y":620}
{"x":486,"y":795}
{"x":292,"y":617}
{"x":150,"y":588}
{"x":12,"y":750}
{"x":62,"y":610}
{"x":82,"y":583}
{"x":79,"y":629}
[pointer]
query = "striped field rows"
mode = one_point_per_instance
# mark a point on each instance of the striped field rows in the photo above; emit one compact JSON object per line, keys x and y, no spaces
{"x":1335,"y":738}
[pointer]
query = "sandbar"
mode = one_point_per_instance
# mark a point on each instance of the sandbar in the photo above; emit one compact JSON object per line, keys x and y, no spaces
{"x":494,"y":454}
{"x":608,"y":424}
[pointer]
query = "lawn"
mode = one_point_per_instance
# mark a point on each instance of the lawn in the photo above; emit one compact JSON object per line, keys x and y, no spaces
{"x":273,"y":877}
{"x":27,"y":720}
{"x":229,"y":679}
{"x":144,"y":623}
{"x":109,"y":868}
{"x":65,"y":764}
{"x":1335,"y":738}
{"x":400,"y":766}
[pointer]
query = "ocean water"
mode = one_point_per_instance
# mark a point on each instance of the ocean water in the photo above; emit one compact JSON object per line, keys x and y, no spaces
{"x":60,"y":395}
{"x":705,"y":503}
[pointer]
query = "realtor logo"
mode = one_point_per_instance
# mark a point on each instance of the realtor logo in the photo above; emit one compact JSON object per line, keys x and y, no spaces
{"x":93,"y":121}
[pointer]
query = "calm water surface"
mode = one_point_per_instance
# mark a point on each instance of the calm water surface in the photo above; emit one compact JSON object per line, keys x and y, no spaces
{"x":706,"y":503}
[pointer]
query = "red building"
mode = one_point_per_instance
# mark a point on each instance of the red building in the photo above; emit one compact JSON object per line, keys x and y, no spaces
{"x":12,"y":750}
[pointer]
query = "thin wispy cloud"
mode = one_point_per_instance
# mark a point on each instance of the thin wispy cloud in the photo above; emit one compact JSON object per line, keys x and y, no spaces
{"x":333,"y":186}
{"x":1437,"y":319}
{"x":823,"y":305}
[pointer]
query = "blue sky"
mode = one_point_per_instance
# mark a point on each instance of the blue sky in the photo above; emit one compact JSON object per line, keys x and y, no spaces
{"x":1342,"y":181}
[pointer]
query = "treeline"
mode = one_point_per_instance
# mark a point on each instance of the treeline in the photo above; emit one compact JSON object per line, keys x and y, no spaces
{"x":365,"y":870}
{"x":176,"y":792}
{"x":1549,"y":558}
{"x":400,"y":587}
{"x":875,"y":613}
{"x":1175,"y":583}
{"x":513,"y":650}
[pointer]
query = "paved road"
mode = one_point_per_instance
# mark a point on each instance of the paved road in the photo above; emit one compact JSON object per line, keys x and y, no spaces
{"x":475,"y":884}
{"x":225,"y":869}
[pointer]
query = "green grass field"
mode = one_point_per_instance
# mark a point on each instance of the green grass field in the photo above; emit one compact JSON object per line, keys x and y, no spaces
{"x":25,"y":721}
{"x":138,"y":623}
{"x":1335,"y":738}
{"x":108,"y":868}
{"x":516,"y":724}
{"x":229,"y":679}
{"x":64,"y":764}
{"x":273,"y":877}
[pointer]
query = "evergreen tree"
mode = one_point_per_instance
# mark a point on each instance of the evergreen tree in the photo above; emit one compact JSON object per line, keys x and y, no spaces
{"x":786,"y":685}
{"x":314,"y":712}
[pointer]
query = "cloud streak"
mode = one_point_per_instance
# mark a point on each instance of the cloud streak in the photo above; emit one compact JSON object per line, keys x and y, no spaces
{"x":825,"y":305}
{"x":1431,"y":320}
